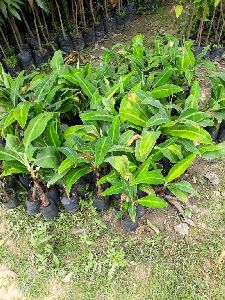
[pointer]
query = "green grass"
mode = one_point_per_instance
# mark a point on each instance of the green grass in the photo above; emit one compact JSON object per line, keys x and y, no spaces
{"x":107,"y":264}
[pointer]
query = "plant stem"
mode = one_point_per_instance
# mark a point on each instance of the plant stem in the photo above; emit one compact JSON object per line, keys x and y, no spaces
{"x":4,"y":37}
{"x":221,"y":30}
{"x":211,"y":24}
{"x":92,"y":11}
{"x":26,"y":24}
{"x":60,"y":18}
{"x":106,"y":8}
{"x":76,"y":16}
{"x":14,"y":33}
{"x":36,"y":28}
{"x":40,"y":25}
{"x":3,"y":52}
{"x":191,"y":22}
{"x":46,"y":26}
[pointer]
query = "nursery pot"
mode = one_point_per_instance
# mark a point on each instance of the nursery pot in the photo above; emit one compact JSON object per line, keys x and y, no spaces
{"x":217,"y":54}
{"x":26,"y":181}
{"x":25,"y":60}
{"x":213,"y":131}
{"x":101,"y":203}
{"x":89,"y":36}
{"x":130,"y":12}
{"x":221,"y":134}
{"x":99,"y":31}
{"x":33,"y":207}
{"x":90,"y":178}
{"x":13,"y":203}
{"x":78,"y":42}
{"x":65,"y":44}
{"x":128,"y":225}
{"x":33,"y":43}
{"x":120,"y":22}
{"x":54,"y":195}
{"x":50,"y":212}
{"x":12,"y":70}
{"x":109,"y":25}
{"x":41,"y":56}
{"x":70,"y":204}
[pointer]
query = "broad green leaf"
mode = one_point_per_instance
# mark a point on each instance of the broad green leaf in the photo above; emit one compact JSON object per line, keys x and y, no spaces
{"x":132,"y":110}
{"x":163,"y":77}
{"x":150,"y":177}
{"x":47,"y":158}
{"x":52,"y":134}
{"x":15,"y":87}
{"x":57,"y":177}
{"x":193,"y":100}
{"x":152,"y":202}
{"x":57,"y":61}
{"x":85,"y":132}
{"x":212,"y":151}
{"x":165,"y":90}
{"x":182,"y":190}
{"x":70,"y":153}
{"x":102,"y":147}
{"x":114,"y":130}
{"x":6,"y":155}
{"x":194,"y":115}
{"x":156,"y":120}
{"x":87,"y":87}
{"x":145,"y":145}
{"x":36,"y":127}
{"x":74,"y":175}
{"x":179,"y":169}
{"x":127,"y":138}
{"x":111,"y":177}
{"x":178,"y":10}
{"x":65,"y":165}
{"x":9,"y":119}
{"x":99,"y":115}
{"x":120,"y":164}
{"x":121,"y":148}
{"x":13,"y":167}
{"x":21,"y":113}
{"x":190,"y":132}
{"x":115,"y":189}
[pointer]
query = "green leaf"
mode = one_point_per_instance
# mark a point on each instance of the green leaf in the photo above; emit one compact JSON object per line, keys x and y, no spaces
{"x":132,"y":110}
{"x":111,"y":177}
{"x":190,"y":132}
{"x":149,"y":177}
{"x":146,"y":144}
{"x":178,"y":10}
{"x":163,"y":77}
{"x":194,"y":115}
{"x":65,"y":165}
{"x":165,"y":90}
{"x":87,"y":87}
{"x":57,"y":177}
{"x":156,"y":120}
{"x":85,"y":132}
{"x":99,"y":115}
{"x":114,"y":130}
{"x":15,"y":87}
{"x":13,"y":167}
{"x":70,"y":153}
{"x":115,"y":189}
{"x":195,"y":94}
{"x":52,"y":134}
{"x":47,"y":158}
{"x":127,"y":138}
{"x":6,"y":155}
{"x":102,"y":147}
{"x":57,"y":61}
{"x":213,"y":151}
{"x":182,"y":190}
{"x":152,"y":202}
{"x":9,"y":119}
{"x":120,"y":164}
{"x":74,"y":175}
{"x":36,"y":127}
{"x":179,"y":169}
{"x":21,"y":113}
